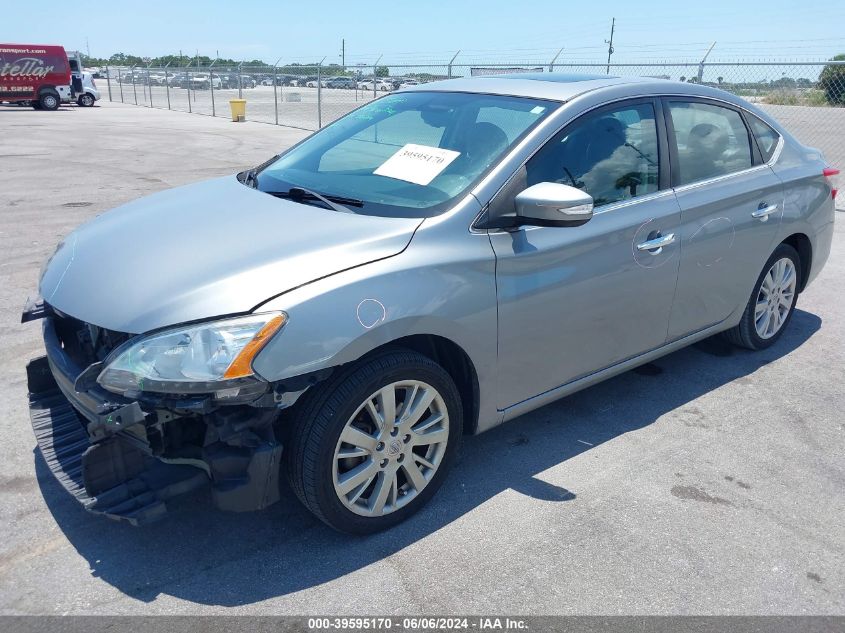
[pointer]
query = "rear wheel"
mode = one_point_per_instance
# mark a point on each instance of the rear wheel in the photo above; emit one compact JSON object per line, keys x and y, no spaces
{"x":372,"y":445}
{"x":86,"y":100}
{"x":772,"y":301}
{"x":50,"y":100}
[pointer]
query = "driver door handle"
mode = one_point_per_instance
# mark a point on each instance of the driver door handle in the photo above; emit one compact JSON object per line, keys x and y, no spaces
{"x":655,"y":246}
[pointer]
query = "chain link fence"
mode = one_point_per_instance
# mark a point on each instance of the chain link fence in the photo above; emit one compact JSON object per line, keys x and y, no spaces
{"x":808,"y":98}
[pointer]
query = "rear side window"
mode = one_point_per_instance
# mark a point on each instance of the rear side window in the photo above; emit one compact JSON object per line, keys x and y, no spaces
{"x":767,"y":138}
{"x":711,"y":141}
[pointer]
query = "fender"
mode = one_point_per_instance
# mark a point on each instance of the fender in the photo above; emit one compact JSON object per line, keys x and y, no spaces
{"x":338,"y":319}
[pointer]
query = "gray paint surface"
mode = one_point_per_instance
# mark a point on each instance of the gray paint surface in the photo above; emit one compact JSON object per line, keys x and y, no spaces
{"x":709,"y":484}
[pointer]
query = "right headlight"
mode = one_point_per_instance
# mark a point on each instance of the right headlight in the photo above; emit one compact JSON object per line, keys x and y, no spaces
{"x":212,"y":357}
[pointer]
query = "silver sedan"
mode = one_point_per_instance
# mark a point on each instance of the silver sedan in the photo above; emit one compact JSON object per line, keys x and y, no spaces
{"x":435,"y":263}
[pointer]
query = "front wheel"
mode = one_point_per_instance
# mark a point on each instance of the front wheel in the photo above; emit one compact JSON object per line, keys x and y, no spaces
{"x":772,"y":301}
{"x":373,"y":444}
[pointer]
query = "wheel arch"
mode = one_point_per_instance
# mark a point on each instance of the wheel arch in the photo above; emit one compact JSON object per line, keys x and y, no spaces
{"x":801,"y":243}
{"x":457,"y":364}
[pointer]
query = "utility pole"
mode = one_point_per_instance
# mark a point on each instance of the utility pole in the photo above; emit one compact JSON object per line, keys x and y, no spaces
{"x":343,"y":53}
{"x":87,"y":48}
{"x":610,"y":44}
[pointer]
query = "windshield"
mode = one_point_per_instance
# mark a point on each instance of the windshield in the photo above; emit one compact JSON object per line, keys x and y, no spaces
{"x":406,"y":155}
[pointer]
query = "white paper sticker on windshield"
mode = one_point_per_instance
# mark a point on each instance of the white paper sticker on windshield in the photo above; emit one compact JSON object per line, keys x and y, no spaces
{"x":419,"y":164}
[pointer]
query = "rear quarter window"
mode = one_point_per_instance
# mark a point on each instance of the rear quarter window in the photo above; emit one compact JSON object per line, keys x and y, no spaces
{"x":767,"y":138}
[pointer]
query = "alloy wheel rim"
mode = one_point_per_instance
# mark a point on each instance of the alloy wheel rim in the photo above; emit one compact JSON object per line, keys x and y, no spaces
{"x":774,"y":301}
{"x":390,"y":448}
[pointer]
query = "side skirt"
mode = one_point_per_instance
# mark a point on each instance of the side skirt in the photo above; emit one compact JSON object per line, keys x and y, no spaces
{"x":614,"y":370}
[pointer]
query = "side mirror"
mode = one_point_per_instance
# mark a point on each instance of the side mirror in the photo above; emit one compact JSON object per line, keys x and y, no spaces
{"x":553,"y":204}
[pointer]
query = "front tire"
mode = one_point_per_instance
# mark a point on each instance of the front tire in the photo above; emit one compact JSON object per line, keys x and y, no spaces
{"x":772,"y":301}
{"x":372,"y":445}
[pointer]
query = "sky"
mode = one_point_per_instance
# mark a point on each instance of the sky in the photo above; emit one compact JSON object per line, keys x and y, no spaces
{"x":434,"y":30}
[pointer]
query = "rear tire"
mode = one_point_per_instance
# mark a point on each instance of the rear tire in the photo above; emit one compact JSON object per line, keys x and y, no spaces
{"x":392,"y":460}
{"x":86,"y":100}
{"x":772,"y":302}
{"x":49,"y":100}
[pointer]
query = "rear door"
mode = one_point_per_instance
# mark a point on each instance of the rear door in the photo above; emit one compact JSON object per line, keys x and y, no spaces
{"x":731,"y":205}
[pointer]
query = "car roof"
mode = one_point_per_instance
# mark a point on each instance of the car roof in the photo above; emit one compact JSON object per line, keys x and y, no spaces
{"x":567,"y":86}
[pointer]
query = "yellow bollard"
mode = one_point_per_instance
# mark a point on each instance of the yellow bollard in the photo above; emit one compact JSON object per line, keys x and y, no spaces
{"x":238,"y":109}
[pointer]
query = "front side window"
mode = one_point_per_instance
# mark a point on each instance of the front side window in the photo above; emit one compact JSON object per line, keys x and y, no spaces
{"x":612,"y":155}
{"x":711,"y":141}
{"x":407,"y":155}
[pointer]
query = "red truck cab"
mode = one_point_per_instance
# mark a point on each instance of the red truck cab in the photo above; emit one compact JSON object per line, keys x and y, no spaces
{"x":39,"y":75}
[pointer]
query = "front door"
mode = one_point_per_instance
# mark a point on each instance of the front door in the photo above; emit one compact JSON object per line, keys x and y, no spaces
{"x":575,"y":300}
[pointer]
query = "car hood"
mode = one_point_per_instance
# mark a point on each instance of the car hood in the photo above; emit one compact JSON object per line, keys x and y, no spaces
{"x":205,"y":250}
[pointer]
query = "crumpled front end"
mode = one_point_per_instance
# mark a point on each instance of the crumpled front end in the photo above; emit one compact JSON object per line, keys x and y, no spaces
{"x":125,"y":458}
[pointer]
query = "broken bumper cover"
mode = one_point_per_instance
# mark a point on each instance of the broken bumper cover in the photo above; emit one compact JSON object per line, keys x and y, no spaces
{"x":98,"y":444}
{"x":79,"y":435}
{"x":115,"y":477}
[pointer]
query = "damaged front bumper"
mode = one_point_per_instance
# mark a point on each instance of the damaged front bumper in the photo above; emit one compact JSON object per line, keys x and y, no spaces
{"x":126,"y":458}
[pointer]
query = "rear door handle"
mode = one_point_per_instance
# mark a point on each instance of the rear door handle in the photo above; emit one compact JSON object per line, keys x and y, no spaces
{"x":764,"y":211}
{"x":655,"y":246}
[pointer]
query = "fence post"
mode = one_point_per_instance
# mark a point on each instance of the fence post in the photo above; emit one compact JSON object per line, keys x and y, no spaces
{"x":275,"y":89}
{"x":188,"y":82}
{"x":134,"y":89}
{"x":240,"y":82}
{"x":701,"y":63}
{"x":375,"y":69}
{"x":211,"y":86}
{"x":319,"y":97}
{"x":120,"y":84}
{"x":108,"y":81}
{"x":554,"y":59}
{"x":150,"y":84}
{"x":167,"y":84}
{"x":451,"y":61}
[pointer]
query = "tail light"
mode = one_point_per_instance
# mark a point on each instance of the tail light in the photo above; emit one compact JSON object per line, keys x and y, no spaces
{"x":829,"y":173}
{"x":93,"y":83}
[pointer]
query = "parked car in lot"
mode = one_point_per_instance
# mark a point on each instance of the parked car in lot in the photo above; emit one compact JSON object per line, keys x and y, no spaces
{"x":381,"y":85}
{"x":435,"y":263}
{"x":311,"y":82}
{"x":407,"y":83}
{"x":204,"y":81}
{"x":176,"y":79}
{"x":347,"y":83}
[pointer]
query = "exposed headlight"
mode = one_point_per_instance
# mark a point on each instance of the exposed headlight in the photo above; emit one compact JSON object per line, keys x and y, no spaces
{"x":201,"y":358}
